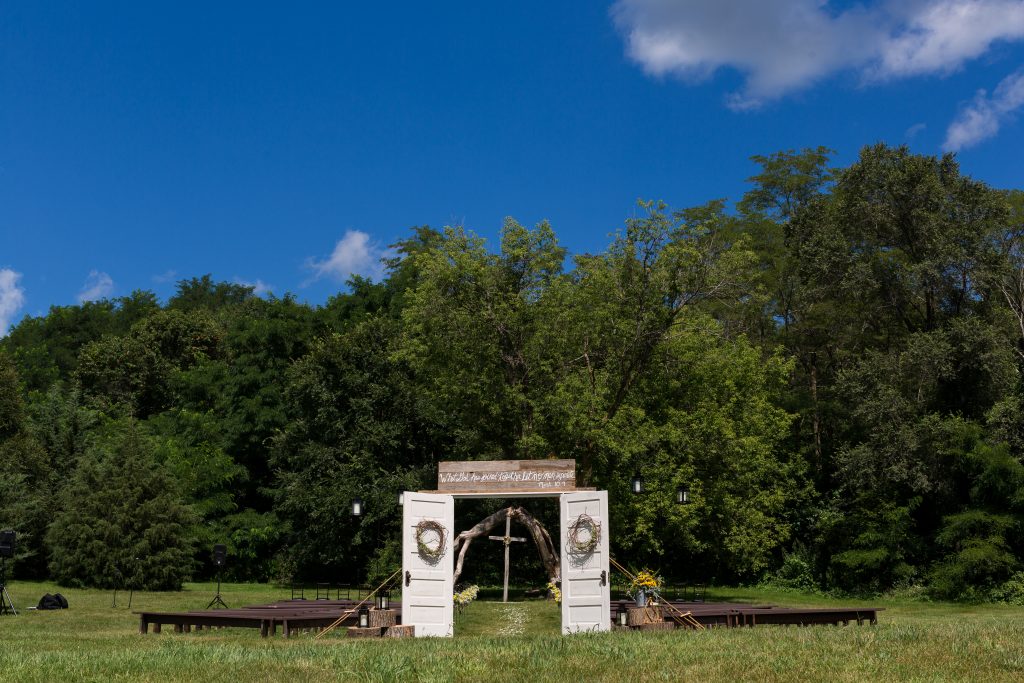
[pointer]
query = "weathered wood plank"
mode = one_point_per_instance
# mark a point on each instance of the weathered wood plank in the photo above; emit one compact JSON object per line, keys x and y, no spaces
{"x":506,"y":475}
{"x":504,"y":465}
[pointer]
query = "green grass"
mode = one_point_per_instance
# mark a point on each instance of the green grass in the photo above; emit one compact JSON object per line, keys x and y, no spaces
{"x":914,"y":641}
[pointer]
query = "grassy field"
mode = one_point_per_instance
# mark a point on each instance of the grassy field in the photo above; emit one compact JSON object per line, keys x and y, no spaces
{"x":515,"y":642}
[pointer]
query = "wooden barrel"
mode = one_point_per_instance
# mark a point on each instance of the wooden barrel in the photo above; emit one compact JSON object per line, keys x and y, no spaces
{"x":637,"y":616}
{"x":383,"y":617}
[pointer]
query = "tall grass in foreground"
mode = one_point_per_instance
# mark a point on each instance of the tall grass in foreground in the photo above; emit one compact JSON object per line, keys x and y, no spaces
{"x":914,"y":641}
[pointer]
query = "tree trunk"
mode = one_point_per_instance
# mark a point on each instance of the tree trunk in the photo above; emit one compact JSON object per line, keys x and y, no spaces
{"x":817,"y":413}
{"x":541,"y":538}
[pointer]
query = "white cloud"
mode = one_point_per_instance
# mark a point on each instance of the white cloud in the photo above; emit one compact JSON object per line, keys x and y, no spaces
{"x":12,"y":298}
{"x":914,"y":130}
{"x":98,"y":285}
{"x":783,"y":46}
{"x":354,"y":254}
{"x":166,"y":276}
{"x":982,"y":118}
{"x":939,"y":36}
{"x":259,"y":287}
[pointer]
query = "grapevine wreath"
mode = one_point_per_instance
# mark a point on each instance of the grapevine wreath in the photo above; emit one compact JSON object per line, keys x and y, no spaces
{"x":428,"y":547}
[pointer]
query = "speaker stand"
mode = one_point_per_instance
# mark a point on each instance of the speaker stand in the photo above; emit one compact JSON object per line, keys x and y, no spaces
{"x":6,"y":604}
{"x":217,"y":602}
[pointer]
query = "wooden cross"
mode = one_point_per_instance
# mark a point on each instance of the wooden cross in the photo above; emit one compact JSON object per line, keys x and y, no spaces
{"x":507,"y":539}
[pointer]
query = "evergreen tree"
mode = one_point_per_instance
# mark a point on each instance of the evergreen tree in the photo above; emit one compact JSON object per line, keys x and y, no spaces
{"x":123,"y":523}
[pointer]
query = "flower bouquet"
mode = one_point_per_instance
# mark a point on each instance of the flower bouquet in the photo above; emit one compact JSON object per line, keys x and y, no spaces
{"x":645,"y":584}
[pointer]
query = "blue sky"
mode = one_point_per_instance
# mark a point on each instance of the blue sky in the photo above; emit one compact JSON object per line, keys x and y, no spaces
{"x":287,"y":145}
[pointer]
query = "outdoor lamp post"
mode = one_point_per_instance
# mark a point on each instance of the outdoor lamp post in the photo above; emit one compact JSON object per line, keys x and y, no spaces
{"x":357,"y":507}
{"x":382,"y":600}
{"x":683,"y":495}
{"x":637,"y":485}
{"x":364,"y":618}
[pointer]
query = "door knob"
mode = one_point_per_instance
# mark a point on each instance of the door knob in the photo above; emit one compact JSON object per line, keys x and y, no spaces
{"x":604,"y":577}
{"x":408,"y":577}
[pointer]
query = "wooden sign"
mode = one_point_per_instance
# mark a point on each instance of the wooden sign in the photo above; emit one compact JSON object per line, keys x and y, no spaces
{"x":497,"y":476}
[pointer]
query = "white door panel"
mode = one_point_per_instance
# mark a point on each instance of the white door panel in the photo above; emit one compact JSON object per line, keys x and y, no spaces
{"x":586,"y":594}
{"x":427,"y":584}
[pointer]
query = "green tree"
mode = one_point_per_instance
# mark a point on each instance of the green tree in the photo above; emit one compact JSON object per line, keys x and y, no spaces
{"x":122,"y":522}
{"x":25,"y":500}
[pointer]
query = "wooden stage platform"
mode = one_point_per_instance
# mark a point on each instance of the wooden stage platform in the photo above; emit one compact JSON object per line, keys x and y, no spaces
{"x":731,"y":615}
{"x":293,"y":616}
{"x":290,"y":615}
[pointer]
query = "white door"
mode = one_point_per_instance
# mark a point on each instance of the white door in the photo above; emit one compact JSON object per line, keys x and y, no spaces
{"x":586,"y":594}
{"x":426,"y":581}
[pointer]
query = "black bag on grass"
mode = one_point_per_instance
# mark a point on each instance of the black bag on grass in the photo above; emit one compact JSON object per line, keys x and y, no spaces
{"x":48,"y":602}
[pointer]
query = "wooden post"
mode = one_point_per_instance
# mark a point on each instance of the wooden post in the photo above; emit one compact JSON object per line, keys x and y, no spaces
{"x":507,"y":539}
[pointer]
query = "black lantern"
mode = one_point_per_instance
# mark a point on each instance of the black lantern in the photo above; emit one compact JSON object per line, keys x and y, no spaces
{"x":364,"y":618}
{"x":637,"y":485}
{"x":357,"y":507}
{"x":623,"y":616}
{"x":683,"y":495}
{"x":401,"y":497}
{"x":383,"y":601}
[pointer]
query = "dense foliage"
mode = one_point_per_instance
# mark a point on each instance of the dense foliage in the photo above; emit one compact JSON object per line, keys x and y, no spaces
{"x":833,"y":367}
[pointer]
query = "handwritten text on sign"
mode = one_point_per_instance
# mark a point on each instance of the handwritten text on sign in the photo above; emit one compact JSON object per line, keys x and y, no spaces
{"x":506,"y":475}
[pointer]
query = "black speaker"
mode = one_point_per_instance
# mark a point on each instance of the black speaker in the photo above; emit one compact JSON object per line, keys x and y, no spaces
{"x":7,"y":537}
{"x":220,"y":553}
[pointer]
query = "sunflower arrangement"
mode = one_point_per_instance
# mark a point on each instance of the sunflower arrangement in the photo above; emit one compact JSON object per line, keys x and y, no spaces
{"x":555,"y":591}
{"x":645,"y":581}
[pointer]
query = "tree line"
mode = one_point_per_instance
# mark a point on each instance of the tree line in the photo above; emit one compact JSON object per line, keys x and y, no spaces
{"x":832,"y":366}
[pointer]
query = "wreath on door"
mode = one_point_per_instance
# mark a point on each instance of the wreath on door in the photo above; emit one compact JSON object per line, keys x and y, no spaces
{"x":431,"y":539}
{"x":584,"y":535}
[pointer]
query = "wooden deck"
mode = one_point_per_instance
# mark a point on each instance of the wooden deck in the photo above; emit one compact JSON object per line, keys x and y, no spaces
{"x":298,"y":615}
{"x":290,"y":615}
{"x":730,"y":615}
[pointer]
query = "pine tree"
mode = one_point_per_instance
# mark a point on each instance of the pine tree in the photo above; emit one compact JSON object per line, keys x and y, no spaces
{"x":122,"y":522}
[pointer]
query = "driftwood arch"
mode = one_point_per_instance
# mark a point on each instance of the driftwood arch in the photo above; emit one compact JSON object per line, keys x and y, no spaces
{"x":541,"y":539}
